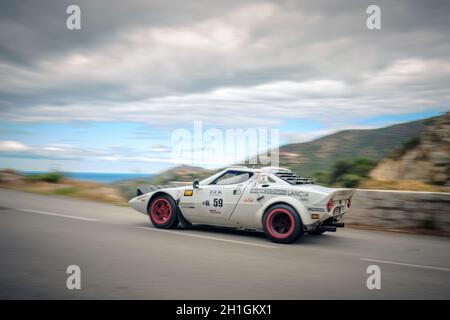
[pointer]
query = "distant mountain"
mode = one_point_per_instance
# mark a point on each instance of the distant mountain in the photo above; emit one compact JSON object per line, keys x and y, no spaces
{"x":374,"y":144}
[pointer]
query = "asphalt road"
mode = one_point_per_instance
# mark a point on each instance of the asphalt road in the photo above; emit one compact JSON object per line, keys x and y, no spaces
{"x":122,"y":256}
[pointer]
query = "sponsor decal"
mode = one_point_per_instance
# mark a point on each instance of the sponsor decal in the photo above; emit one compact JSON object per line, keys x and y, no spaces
{"x":316,"y":209}
{"x":212,"y":211}
{"x":215,"y":192}
{"x":236,"y":192}
{"x":295,"y":193}
{"x":205,"y":203}
{"x":187,"y":205}
{"x":315,"y":216}
{"x":254,"y":181}
{"x":188,"y":193}
{"x":248,"y":199}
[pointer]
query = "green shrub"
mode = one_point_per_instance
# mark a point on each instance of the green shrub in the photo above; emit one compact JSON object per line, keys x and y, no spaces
{"x":66,"y":191}
{"x":362,"y":167}
{"x":321,"y":177}
{"x":348,"y":173}
{"x":340,"y":168}
{"x":350,"y":180}
{"x":51,"y":177}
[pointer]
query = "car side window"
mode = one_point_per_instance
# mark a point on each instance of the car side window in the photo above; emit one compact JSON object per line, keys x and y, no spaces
{"x":232,"y":177}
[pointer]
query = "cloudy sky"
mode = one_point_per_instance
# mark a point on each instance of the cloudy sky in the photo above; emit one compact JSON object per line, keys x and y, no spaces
{"x":107,"y":98}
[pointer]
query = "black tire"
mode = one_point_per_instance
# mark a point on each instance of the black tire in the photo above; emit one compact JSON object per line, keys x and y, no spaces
{"x":162,"y":211}
{"x":282,"y":224}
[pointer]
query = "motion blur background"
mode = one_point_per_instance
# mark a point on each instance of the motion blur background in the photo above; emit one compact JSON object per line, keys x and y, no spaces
{"x":89,"y":113}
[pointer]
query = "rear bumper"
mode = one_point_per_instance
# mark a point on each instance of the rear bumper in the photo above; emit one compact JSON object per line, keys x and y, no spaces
{"x":325,"y":217}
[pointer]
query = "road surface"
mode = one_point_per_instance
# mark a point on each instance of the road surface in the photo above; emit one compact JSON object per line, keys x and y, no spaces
{"x":122,"y":256}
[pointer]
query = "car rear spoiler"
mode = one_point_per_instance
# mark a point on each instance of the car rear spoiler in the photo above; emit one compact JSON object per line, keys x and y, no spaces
{"x":342,"y":194}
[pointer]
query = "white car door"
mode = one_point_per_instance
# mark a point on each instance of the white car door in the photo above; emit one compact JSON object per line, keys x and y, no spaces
{"x":217,"y":200}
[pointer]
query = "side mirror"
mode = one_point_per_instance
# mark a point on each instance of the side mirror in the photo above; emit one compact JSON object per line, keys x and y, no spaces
{"x":195,"y":184}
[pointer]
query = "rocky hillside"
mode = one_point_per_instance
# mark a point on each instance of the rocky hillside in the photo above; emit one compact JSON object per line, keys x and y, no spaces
{"x":373,"y":144}
{"x":424,"y":158}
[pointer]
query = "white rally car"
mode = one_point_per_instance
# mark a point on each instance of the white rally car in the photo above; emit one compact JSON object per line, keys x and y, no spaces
{"x":271,"y":199}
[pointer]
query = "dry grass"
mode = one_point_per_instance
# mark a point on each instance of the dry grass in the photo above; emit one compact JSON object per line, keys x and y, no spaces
{"x":68,"y":187}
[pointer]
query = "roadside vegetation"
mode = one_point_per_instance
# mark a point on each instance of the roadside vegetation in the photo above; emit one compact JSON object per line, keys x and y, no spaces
{"x":56,"y":183}
{"x":50,"y":177}
{"x":356,"y":174}
{"x":346,"y":173}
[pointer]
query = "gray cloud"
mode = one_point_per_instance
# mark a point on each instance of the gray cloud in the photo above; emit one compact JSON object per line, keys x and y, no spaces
{"x":227,"y":62}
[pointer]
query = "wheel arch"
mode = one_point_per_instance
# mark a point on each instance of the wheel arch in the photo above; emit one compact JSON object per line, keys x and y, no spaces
{"x":158,"y":193}
{"x":184,"y":222}
{"x":294,"y":203}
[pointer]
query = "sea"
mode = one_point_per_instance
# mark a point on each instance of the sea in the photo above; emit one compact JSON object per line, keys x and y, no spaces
{"x":99,"y":176}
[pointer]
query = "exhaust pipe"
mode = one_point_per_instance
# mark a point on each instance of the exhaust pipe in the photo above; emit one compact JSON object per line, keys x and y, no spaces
{"x":338,"y":224}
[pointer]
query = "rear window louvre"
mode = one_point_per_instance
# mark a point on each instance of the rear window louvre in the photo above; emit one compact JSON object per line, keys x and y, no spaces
{"x":293,"y":178}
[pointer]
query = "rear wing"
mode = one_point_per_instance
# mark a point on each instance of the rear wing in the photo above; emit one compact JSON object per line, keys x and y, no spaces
{"x":342,"y":194}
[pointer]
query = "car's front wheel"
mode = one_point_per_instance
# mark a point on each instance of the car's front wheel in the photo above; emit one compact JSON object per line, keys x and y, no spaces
{"x":282,"y":224}
{"x":163,"y":212}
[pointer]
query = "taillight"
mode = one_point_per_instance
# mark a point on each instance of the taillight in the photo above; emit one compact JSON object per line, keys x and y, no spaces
{"x":330,"y":205}
{"x":349,"y":202}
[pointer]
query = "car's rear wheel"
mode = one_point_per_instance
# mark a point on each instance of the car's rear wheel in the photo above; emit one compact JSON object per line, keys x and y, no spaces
{"x":163,"y":212}
{"x":282,"y":224}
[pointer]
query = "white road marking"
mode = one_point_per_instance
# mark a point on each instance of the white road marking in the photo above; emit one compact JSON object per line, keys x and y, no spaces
{"x":211,"y":238}
{"x":55,"y":214}
{"x":407,"y":264}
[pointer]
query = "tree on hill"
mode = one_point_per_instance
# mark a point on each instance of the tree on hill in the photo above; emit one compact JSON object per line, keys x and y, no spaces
{"x":346,"y":173}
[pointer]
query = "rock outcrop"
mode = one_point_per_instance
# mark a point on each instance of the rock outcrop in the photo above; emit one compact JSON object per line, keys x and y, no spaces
{"x":426,"y":159}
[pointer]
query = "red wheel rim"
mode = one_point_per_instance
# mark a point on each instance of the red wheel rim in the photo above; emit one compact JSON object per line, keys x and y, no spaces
{"x":280,"y":223}
{"x":161,"y":211}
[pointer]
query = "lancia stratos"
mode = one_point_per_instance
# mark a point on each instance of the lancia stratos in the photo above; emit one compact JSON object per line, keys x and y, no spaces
{"x":274,"y":200}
